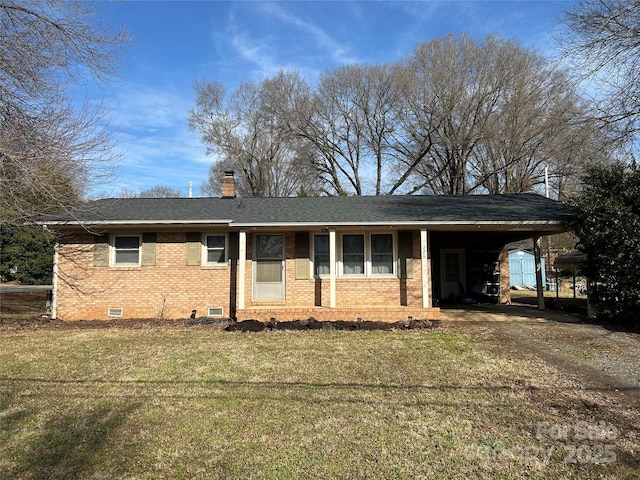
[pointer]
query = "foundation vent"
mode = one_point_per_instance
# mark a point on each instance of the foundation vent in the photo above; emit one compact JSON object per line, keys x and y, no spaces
{"x":214,"y":312}
{"x":115,"y":312}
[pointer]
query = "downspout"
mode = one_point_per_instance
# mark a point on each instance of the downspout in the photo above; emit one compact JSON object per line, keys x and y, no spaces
{"x":54,"y":281}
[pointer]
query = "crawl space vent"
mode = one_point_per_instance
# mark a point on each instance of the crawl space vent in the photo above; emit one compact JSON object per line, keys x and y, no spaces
{"x":215,"y":312}
{"x":115,"y":312}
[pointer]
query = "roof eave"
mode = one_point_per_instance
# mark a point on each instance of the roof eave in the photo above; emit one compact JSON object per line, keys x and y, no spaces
{"x":129,"y":223}
{"x":546,"y":226}
{"x":433,"y":225}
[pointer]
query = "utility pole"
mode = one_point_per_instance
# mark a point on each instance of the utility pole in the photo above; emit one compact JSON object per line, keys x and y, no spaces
{"x":546,"y":181}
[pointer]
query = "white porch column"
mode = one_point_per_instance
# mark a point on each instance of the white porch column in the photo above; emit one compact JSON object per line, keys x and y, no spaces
{"x":242,"y":267}
{"x":539,"y":286}
{"x":332,"y":268}
{"x":424,"y":265}
{"x":54,"y":281}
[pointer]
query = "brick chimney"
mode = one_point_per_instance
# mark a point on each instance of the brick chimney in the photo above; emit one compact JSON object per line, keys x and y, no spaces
{"x":229,"y":185}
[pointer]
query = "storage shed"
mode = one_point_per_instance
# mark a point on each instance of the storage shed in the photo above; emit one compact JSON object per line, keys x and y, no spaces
{"x":522,"y":269}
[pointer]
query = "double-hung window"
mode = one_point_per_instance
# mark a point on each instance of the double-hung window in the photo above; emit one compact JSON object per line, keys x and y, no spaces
{"x":321,"y":255}
{"x":126,"y":250}
{"x":369,"y":255}
{"x":215,"y":249}
{"x":382,"y":254}
{"x":353,"y":255}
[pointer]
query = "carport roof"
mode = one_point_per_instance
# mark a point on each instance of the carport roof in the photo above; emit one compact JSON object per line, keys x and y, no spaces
{"x":427,"y":210}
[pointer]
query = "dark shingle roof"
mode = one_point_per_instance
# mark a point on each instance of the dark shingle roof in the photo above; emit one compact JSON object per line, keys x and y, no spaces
{"x":429,"y":209}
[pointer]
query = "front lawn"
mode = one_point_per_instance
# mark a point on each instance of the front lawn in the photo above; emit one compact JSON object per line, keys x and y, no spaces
{"x":193,"y":402}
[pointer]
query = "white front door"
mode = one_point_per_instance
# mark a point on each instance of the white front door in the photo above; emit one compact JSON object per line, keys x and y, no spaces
{"x":268,"y":269}
{"x":452,"y":278}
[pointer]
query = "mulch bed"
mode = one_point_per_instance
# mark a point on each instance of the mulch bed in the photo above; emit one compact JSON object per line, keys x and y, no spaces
{"x":221,"y":324}
{"x":313,"y":324}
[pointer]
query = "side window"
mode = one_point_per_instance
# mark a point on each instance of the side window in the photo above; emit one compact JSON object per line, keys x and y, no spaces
{"x":215,"y":249}
{"x":321,"y":255}
{"x":353,"y":254}
{"x":126,"y":250}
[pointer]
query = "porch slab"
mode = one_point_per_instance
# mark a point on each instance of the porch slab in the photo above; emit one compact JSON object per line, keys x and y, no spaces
{"x":326,"y":314}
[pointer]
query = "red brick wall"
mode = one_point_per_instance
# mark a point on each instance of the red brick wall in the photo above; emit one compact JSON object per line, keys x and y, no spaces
{"x":505,"y":282}
{"x":350,"y":292}
{"x":171,"y":289}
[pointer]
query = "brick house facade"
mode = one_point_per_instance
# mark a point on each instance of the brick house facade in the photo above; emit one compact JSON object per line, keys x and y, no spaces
{"x":331,"y":258}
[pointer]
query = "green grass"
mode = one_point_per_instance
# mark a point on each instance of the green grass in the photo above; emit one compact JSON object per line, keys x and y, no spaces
{"x":198,"y":403}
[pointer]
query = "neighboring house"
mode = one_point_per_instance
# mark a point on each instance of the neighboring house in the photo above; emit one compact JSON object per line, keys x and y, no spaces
{"x":375,"y":258}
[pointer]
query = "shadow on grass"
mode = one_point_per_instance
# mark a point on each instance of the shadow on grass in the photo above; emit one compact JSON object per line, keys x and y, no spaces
{"x":67,"y":446}
{"x":286,"y":388}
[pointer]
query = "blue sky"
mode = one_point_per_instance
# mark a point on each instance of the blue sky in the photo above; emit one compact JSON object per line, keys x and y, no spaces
{"x":175,"y":43}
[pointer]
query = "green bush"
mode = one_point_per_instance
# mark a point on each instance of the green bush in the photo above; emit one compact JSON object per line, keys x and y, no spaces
{"x":26,"y":255}
{"x":607,"y":221}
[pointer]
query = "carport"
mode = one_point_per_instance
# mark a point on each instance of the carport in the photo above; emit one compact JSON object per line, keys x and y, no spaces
{"x":476,"y":262}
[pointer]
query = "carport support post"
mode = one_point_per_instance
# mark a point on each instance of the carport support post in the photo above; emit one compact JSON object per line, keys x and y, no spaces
{"x":539,"y":285}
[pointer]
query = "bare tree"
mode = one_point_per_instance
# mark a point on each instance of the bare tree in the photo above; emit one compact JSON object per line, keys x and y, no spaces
{"x":246,"y":136}
{"x":494,"y":115}
{"x":157,"y":191}
{"x":48,"y":159}
{"x":49,"y":149}
{"x":463,"y":80}
{"x":540,"y":122}
{"x":603,"y":42}
{"x":456,"y":116}
{"x":351,"y":125}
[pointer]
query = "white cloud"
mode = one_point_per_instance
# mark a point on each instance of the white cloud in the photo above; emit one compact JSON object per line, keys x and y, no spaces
{"x":154,"y":143}
{"x":336,"y":49}
{"x":270,"y":38}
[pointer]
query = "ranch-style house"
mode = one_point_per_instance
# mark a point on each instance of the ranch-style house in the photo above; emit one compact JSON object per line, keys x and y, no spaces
{"x":332,"y":258}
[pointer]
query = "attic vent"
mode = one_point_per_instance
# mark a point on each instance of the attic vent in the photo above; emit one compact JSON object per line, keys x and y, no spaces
{"x":115,"y":312}
{"x":215,"y":312}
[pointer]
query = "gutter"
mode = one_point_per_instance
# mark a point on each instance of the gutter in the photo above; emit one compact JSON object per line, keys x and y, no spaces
{"x":93,"y":223}
{"x":400,"y":224}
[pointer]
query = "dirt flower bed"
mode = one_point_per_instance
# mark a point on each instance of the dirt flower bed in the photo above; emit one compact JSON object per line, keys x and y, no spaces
{"x":225,"y":324}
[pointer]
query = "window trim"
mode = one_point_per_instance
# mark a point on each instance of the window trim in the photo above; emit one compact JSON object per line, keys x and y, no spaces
{"x":364,"y":255}
{"x":205,"y":250}
{"x":394,"y":256}
{"x":368,"y":266}
{"x":313,"y":255}
{"x":114,"y":251}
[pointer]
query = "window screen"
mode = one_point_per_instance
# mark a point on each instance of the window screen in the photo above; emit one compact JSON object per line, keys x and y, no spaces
{"x":353,"y":254}
{"x":382,"y":254}
{"x":321,"y":255}
{"x":127,"y":250}
{"x":216,"y":249}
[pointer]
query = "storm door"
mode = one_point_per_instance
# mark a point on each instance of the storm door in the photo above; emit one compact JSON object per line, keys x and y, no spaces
{"x":268,"y":270}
